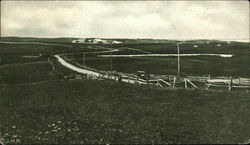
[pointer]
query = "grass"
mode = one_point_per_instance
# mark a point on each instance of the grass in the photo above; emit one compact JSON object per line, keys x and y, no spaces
{"x":38,"y":107}
{"x":235,"y":66}
{"x":35,"y":39}
{"x":28,"y":73}
{"x":197,"y":65}
{"x":105,"y":112}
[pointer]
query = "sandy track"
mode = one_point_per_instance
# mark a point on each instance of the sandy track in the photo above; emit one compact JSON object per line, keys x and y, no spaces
{"x":155,"y":55}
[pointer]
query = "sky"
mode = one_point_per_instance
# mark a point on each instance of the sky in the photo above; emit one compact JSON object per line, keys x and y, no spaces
{"x":225,"y":20}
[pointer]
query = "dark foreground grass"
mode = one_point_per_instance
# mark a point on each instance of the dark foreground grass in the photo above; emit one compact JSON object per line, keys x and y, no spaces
{"x":36,"y":108}
{"x":104,"y":112}
{"x":28,"y":72}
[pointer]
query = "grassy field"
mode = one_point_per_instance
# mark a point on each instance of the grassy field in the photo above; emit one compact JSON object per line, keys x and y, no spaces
{"x":215,"y":66}
{"x":28,"y":73}
{"x":238,"y":65}
{"x":104,"y":112}
{"x":39,"y":106}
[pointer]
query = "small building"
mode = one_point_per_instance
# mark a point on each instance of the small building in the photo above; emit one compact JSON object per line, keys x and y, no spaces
{"x":105,"y":41}
{"x":82,"y":40}
{"x":195,"y":46}
{"x":116,"y":42}
{"x":97,"y":41}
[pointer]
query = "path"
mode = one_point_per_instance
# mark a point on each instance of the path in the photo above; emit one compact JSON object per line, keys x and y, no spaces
{"x":153,"y":55}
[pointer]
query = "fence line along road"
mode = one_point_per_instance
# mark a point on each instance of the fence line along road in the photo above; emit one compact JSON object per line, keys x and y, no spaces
{"x":168,"y":80}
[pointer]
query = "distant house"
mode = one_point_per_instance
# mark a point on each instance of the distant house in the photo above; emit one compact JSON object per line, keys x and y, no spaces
{"x":195,"y":46}
{"x":97,"y":41}
{"x":105,"y":41}
{"x":116,"y":42}
{"x":82,"y":40}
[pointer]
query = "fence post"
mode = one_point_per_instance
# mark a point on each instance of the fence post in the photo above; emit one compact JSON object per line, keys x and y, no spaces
{"x":239,"y":80}
{"x":206,"y":84}
{"x":230,"y":83}
{"x":185,"y":83}
{"x":169,"y":80}
{"x":174,"y":81}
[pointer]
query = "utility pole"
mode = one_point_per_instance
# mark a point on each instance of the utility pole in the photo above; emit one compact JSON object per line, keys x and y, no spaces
{"x":83,"y":58}
{"x":0,"y":79}
{"x":111,"y":65}
{"x":178,"y":49}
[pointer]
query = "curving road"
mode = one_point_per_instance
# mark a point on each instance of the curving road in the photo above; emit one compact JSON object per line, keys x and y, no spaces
{"x":124,"y":78}
{"x":77,"y":69}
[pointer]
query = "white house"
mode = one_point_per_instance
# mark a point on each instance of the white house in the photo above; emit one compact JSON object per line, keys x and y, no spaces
{"x":116,"y":42}
{"x":97,"y":41}
{"x":195,"y":46}
{"x":82,"y":40}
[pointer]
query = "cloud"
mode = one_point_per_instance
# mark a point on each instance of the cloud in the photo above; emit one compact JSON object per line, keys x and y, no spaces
{"x":126,"y":19}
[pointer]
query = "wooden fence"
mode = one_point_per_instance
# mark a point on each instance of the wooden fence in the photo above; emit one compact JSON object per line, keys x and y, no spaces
{"x":228,"y":82}
{"x":167,"y":80}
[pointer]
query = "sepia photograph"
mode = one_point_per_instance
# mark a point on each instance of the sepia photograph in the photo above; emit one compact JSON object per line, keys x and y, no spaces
{"x":124,"y":72}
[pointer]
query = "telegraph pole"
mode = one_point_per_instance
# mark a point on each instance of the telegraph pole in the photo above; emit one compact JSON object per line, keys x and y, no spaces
{"x":83,"y":58}
{"x":111,"y":65}
{"x":0,"y":79}
{"x":178,"y":49}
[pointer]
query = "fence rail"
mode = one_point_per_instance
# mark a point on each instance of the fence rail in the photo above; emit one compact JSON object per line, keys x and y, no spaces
{"x":229,"y":82}
{"x":158,"y":80}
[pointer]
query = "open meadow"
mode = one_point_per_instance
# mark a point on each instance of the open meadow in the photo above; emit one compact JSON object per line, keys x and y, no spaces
{"x":237,"y":65}
{"x":38,"y":105}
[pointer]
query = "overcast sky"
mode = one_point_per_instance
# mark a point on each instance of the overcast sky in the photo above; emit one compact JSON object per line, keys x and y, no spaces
{"x":126,"y":19}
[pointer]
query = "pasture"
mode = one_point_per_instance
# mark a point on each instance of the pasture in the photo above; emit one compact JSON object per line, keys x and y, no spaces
{"x":237,"y":65}
{"x":79,"y":112}
{"x":37,"y":105}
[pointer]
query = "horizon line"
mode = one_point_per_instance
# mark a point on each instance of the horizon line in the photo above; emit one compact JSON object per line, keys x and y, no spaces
{"x":175,"y":39}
